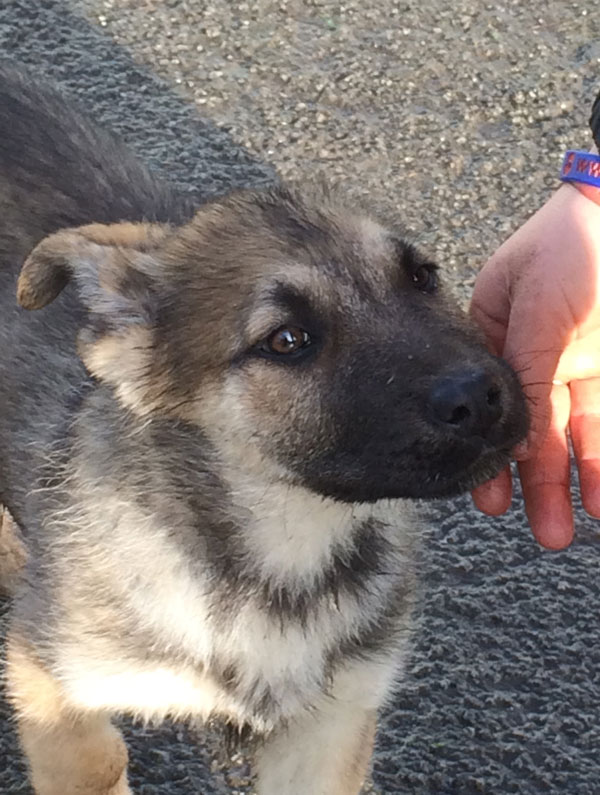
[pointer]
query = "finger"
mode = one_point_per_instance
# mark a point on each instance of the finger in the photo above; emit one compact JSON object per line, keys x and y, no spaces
{"x":581,"y":359}
{"x":533,"y":350}
{"x":512,"y":330}
{"x":585,"y":433}
{"x":494,"y":496}
{"x":545,"y":479}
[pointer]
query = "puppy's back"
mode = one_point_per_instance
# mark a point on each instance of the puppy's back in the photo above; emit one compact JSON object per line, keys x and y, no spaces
{"x":57,"y":170}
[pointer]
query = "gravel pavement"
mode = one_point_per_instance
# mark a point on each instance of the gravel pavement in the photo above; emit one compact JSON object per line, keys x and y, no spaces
{"x":456,"y":114}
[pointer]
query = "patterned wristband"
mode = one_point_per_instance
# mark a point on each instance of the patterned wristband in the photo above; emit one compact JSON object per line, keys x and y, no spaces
{"x":581,"y":167}
{"x":582,"y":171}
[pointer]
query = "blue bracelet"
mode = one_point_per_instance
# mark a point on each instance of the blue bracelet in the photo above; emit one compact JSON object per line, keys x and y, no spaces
{"x":581,"y":167}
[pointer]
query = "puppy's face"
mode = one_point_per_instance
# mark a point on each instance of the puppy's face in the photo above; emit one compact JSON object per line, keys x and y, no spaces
{"x":304,"y":338}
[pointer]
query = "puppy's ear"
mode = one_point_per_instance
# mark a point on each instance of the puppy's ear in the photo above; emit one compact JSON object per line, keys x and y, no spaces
{"x":89,"y":254}
{"x":118,"y":280}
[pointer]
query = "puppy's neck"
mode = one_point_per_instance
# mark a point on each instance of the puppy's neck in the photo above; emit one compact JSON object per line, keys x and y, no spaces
{"x":295,"y":533}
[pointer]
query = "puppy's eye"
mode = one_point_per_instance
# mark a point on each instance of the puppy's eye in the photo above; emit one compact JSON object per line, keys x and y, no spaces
{"x":425,"y":278}
{"x":286,"y":340}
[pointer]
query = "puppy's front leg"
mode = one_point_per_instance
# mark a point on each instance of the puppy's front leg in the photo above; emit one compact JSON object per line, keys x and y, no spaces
{"x":69,"y":752}
{"x":326,"y":752}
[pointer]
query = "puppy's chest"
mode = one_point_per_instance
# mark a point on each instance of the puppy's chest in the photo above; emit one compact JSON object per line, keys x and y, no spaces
{"x":308,"y":581}
{"x":259,"y":634}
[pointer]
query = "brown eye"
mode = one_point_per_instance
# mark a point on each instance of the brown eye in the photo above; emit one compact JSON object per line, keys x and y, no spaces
{"x":286,"y":340}
{"x":425,"y":279}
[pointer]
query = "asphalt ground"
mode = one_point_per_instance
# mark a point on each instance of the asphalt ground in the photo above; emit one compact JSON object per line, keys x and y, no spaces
{"x":456,"y":115}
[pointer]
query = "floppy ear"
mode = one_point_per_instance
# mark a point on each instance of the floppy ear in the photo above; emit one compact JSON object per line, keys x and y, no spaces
{"x":117,"y":278}
{"x":89,"y":254}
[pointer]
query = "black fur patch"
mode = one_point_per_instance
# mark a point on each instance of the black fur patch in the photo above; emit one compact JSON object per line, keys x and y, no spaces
{"x":237,"y":580}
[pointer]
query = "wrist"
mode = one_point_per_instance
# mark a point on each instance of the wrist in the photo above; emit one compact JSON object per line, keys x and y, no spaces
{"x":572,"y":206}
{"x":589,"y":191}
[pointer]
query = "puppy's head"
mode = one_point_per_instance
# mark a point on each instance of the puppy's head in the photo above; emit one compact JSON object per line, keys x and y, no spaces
{"x":303,"y":337}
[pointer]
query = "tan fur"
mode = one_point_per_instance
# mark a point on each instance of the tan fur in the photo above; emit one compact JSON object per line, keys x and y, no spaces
{"x":141,"y":237}
{"x":325,"y":753}
{"x":121,"y":360}
{"x":13,"y":553}
{"x":69,"y":752}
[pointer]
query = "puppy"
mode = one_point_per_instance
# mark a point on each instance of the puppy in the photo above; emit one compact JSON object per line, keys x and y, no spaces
{"x":209,"y":431}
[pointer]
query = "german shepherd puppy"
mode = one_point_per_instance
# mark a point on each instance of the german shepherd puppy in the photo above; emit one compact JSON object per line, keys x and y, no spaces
{"x":208,"y":432}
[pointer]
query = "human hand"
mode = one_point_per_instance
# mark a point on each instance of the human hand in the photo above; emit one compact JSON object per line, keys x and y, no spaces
{"x":538,"y":303}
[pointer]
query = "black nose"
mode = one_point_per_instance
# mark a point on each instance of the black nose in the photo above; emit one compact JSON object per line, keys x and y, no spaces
{"x":470,"y":401}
